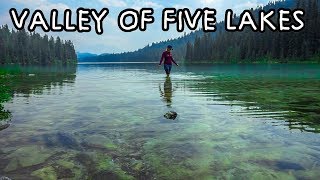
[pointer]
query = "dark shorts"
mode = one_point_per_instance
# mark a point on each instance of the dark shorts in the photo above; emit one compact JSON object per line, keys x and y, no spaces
{"x":167,"y":68}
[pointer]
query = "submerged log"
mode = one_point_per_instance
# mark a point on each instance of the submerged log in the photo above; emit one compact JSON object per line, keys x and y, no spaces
{"x":3,"y":127}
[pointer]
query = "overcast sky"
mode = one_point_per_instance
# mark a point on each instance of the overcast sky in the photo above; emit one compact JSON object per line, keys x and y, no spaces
{"x":113,"y":40}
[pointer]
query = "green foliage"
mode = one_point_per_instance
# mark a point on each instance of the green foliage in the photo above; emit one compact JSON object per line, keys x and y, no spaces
{"x":21,"y":47}
{"x":47,"y":173}
{"x":4,"y":115}
{"x":252,"y":47}
{"x":5,"y":95}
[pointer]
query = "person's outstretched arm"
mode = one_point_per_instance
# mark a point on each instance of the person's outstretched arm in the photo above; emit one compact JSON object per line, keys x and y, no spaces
{"x":162,"y":57}
{"x":174,"y":62}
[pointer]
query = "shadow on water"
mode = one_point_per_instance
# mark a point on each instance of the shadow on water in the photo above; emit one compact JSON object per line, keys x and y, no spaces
{"x":26,"y":80}
{"x":167,"y":91}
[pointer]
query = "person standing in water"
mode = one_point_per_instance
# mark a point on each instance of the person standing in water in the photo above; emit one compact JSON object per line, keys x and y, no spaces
{"x":168,"y":60}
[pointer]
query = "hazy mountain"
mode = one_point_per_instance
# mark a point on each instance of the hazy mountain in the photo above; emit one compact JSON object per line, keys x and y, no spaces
{"x":84,"y":55}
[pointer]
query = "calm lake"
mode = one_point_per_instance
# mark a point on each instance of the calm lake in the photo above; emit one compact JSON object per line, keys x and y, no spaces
{"x":107,"y":120}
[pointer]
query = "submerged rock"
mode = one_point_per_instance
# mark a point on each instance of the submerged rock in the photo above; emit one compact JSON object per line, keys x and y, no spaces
{"x":63,"y":172}
{"x":99,"y":141}
{"x":27,"y":156}
{"x":86,"y":160}
{"x":61,"y":139}
{"x":3,"y":127}
{"x":280,"y":165}
{"x":284,"y":165}
{"x":101,"y":175}
{"x":67,"y":140}
{"x":45,"y":173}
{"x":171,"y":115}
{"x":4,"y":178}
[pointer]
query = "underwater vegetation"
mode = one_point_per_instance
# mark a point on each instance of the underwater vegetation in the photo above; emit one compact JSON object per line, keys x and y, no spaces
{"x":5,"y":95}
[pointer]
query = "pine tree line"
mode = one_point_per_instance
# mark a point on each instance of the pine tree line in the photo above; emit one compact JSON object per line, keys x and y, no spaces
{"x":21,"y":47}
{"x":248,"y":46}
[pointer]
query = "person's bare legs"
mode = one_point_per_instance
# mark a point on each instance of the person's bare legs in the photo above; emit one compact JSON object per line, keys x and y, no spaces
{"x":167,"y":68}
{"x":167,"y":72}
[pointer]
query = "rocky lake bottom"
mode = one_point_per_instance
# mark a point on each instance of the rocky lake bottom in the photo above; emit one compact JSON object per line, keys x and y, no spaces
{"x":109,"y":120}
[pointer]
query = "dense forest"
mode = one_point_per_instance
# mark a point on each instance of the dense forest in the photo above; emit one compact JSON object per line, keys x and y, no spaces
{"x":222,"y":46}
{"x":21,"y":47}
{"x":249,"y":46}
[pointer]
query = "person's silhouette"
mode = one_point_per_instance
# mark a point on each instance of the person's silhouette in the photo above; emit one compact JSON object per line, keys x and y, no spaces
{"x":167,"y":91}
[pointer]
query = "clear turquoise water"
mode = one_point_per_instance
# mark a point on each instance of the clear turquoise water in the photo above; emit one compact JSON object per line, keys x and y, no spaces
{"x":98,"y":121}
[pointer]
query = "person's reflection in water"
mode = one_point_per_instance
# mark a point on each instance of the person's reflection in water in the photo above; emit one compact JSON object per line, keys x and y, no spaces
{"x":167,"y":91}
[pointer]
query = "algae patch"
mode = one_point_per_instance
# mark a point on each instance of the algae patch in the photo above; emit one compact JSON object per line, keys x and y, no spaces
{"x":100,"y":141}
{"x":27,"y":156}
{"x":47,"y":173}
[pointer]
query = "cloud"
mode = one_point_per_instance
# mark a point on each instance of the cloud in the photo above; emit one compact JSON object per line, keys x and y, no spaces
{"x":181,"y":6}
{"x":5,"y":19}
{"x":211,"y":3}
{"x":43,"y":5}
{"x":111,"y":21}
{"x":236,"y":5}
{"x":30,"y":2}
{"x":247,"y":5}
{"x":138,"y":4}
{"x":113,"y":3}
{"x":50,"y":6}
{"x":108,"y":43}
{"x":151,"y":4}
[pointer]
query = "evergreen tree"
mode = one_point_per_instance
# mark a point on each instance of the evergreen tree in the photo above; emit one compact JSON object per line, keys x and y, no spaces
{"x":252,"y":46}
{"x":21,"y":47}
{"x":189,"y":51}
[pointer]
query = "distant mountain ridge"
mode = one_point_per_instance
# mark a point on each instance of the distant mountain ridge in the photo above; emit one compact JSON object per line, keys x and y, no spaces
{"x":84,"y":55}
{"x":152,"y":52}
